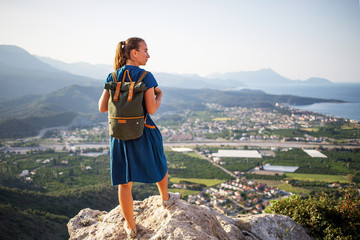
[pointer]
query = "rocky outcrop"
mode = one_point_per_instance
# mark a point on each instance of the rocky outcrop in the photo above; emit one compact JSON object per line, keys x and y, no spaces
{"x":182,"y":221}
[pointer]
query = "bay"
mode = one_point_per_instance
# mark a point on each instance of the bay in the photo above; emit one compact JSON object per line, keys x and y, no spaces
{"x":348,"y":92}
{"x":342,"y":110}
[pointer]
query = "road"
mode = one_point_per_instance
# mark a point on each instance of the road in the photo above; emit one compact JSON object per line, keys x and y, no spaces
{"x":216,"y":165}
{"x":260,"y":143}
{"x":255,"y":143}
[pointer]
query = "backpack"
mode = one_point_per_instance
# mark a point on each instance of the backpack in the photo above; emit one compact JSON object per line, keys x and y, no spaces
{"x":126,"y":112}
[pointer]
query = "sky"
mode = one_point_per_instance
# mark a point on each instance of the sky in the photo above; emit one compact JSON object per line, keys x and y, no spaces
{"x":298,"y":39}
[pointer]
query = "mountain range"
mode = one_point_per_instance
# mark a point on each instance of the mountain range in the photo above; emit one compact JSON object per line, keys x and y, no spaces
{"x":41,"y":92}
{"x":259,"y":79}
{"x":23,"y":74}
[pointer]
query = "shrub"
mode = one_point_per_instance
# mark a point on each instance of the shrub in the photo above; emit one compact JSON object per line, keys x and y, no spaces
{"x":323,"y":216}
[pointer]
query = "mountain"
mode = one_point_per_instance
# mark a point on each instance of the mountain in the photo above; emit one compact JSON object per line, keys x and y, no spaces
{"x":23,"y":74}
{"x":61,"y":107}
{"x":83,"y":100}
{"x":194,"y":81}
{"x":266,"y":77}
{"x":74,"y":98}
{"x":97,"y":71}
{"x":317,"y":81}
{"x":101,"y":71}
{"x":260,"y":79}
{"x":16,"y":57}
{"x":26,"y":116}
{"x":251,"y":78}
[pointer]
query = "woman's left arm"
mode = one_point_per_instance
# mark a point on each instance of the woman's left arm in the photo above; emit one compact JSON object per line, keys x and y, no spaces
{"x":153,"y":99}
{"x":103,"y":101}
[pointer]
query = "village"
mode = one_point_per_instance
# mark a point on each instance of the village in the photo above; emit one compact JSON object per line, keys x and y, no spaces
{"x":238,"y":197}
{"x":238,"y":124}
{"x":249,"y":124}
{"x":246,"y":124}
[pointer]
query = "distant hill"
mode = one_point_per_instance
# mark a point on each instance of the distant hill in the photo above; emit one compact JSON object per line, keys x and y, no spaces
{"x":23,"y":74}
{"x":84,"y":100}
{"x":260,"y":79}
{"x":59,"y":108}
{"x":97,"y":71}
{"x":16,"y":57}
{"x":318,"y":81}
{"x":194,"y":81}
{"x":101,"y":71}
{"x":266,"y":77}
{"x":38,"y":92}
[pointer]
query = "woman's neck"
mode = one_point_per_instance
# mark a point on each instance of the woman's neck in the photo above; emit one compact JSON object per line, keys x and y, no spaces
{"x":131,"y":62}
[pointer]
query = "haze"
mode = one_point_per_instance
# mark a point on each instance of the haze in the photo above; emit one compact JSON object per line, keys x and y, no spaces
{"x":297,"y":39}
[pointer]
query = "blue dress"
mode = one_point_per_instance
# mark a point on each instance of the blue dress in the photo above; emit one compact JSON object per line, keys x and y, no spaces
{"x":141,"y":159}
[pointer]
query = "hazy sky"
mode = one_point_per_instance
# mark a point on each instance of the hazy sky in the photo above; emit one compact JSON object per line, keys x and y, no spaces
{"x":298,"y":39}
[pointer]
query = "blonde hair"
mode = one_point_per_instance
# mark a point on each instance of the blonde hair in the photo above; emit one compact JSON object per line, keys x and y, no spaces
{"x":123,"y":50}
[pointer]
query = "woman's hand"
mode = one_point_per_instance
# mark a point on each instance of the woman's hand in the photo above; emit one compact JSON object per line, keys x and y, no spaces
{"x":157,"y":92}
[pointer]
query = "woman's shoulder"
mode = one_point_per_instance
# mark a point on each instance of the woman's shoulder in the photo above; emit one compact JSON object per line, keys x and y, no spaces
{"x":150,"y":81}
{"x":135,"y":73}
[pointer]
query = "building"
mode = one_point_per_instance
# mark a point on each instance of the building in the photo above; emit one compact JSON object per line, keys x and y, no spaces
{"x":238,"y":153}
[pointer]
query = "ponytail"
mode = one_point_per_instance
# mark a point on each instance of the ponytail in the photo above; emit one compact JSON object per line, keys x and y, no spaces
{"x":123,"y":49}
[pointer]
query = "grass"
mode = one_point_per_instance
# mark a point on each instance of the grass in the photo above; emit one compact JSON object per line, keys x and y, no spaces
{"x":289,"y":188}
{"x":310,"y":129}
{"x":317,"y":177}
{"x":349,"y":126}
{"x":223,"y":119}
{"x":207,"y":182}
{"x":195,"y":155}
{"x":272,"y":183}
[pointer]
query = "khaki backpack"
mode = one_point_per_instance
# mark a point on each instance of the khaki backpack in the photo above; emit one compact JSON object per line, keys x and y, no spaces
{"x":127,"y":116}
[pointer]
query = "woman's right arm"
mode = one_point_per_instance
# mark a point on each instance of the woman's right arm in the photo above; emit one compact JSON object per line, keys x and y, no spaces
{"x":103,"y":101}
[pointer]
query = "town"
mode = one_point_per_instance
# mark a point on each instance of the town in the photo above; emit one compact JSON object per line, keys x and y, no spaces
{"x":248,"y":124}
{"x":237,"y":197}
{"x":217,"y":125}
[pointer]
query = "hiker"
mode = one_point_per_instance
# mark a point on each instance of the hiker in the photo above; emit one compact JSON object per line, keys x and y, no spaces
{"x":141,"y":159}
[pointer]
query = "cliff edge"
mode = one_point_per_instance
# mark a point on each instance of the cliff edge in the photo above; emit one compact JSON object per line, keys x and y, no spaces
{"x":182,"y":221}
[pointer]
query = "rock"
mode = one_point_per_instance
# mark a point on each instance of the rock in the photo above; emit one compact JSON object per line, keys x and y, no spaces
{"x":271,"y":226}
{"x":181,"y":221}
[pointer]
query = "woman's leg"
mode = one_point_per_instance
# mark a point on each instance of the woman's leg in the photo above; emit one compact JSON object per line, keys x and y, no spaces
{"x":127,"y":203}
{"x":163,"y":187}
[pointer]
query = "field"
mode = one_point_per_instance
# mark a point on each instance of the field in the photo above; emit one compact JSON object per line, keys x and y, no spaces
{"x":185,"y":192}
{"x":223,"y":119}
{"x":195,"y":155}
{"x":261,"y":172}
{"x":317,"y":177}
{"x":289,"y":188}
{"x":310,"y":129}
{"x":207,"y":182}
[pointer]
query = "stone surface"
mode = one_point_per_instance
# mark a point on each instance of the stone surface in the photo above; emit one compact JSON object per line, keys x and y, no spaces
{"x":271,"y":226}
{"x":181,"y":221}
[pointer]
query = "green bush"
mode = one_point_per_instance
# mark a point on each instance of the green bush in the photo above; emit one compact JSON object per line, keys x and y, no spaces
{"x":323,"y":216}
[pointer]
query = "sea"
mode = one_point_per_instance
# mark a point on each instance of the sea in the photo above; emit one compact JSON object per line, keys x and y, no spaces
{"x":348,"y":92}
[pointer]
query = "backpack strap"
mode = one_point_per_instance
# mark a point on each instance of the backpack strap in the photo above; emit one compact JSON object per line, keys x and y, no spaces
{"x":139,"y":80}
{"x":147,"y":125}
{"x":131,"y":88}
{"x":143,"y":75}
{"x":114,"y":77}
{"x":131,"y":91}
{"x":126,"y":72}
{"x":117,"y":90}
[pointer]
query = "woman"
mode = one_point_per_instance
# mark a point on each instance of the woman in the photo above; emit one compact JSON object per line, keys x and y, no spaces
{"x":141,"y":159}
